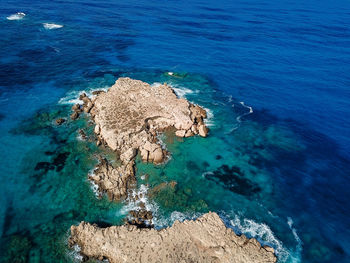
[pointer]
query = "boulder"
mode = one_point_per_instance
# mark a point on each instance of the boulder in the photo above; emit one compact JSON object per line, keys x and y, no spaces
{"x":74,"y":116}
{"x":60,"y":121}
{"x":202,"y":130}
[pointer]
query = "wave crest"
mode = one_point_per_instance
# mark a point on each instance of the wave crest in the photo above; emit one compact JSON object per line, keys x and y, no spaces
{"x":17,"y":16}
{"x":51,"y":26}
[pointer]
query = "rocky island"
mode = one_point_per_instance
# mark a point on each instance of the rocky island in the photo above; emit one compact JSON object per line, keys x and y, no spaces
{"x":128,"y":119}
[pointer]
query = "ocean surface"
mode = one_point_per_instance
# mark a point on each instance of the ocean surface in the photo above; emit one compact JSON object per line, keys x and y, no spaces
{"x":273,"y":75}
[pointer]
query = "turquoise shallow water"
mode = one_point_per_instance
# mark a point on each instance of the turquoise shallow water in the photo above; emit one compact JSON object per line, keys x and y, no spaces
{"x":273,"y":77}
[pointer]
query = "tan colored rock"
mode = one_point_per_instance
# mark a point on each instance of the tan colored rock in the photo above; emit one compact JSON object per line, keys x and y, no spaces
{"x":131,"y":111}
{"x":128,"y":155}
{"x":204,"y":240}
{"x":128,"y":117}
{"x":180,"y":133}
{"x":74,"y":116}
{"x":76,"y":107}
{"x":115,"y":182}
{"x":189,"y":133}
{"x":202,"y":130}
{"x":97,"y":129}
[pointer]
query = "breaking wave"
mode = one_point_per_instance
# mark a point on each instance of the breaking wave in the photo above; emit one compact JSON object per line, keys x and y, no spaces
{"x":182,"y":92}
{"x":132,"y":203}
{"x":72,"y":97}
{"x":17,"y":16}
{"x":265,"y":235}
{"x":160,"y":221}
{"x":51,"y":26}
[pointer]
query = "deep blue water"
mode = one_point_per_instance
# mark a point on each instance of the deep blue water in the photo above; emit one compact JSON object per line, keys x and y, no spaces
{"x":288,"y":60}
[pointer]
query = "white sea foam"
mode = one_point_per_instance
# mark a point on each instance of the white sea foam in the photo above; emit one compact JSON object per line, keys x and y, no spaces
{"x":95,"y":188}
{"x":209,"y":121}
{"x":244,"y":114}
{"x":161,"y":222}
{"x":51,"y":26}
{"x":72,"y":97}
{"x":296,"y":256}
{"x":239,"y":118}
{"x":133,"y":204}
{"x":263,"y":233}
{"x":75,"y":254}
{"x":182,"y":92}
{"x":17,"y":16}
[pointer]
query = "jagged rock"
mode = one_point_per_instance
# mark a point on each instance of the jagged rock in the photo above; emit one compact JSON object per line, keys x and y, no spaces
{"x":128,"y":117}
{"x":97,"y":129}
{"x":189,"y":133}
{"x":82,"y":96}
{"x":76,"y":107}
{"x":82,"y":134}
{"x":131,"y":111}
{"x":74,"y":116}
{"x":202,"y":130}
{"x":128,"y":155}
{"x":115,"y":182}
{"x":204,"y":240}
{"x":88,"y":106}
{"x":180,"y":133}
{"x":96,"y":92}
{"x":140,"y":218}
{"x":60,"y":121}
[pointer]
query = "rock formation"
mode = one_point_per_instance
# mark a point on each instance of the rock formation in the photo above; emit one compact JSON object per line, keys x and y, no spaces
{"x":60,"y":121}
{"x":130,"y":114}
{"x":128,"y":117}
{"x":204,"y":240}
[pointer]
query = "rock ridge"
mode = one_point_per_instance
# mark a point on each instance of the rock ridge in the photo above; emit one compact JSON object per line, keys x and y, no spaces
{"x":204,"y":240}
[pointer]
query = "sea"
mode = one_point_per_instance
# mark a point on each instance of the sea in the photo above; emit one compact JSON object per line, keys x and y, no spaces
{"x":274,"y":77}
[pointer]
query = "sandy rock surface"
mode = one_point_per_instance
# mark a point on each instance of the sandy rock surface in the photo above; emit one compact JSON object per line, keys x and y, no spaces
{"x":204,"y":240}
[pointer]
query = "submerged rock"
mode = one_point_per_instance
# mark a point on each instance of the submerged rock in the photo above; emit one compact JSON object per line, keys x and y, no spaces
{"x":204,"y":240}
{"x":60,"y":121}
{"x":233,"y":179}
{"x":131,"y":111}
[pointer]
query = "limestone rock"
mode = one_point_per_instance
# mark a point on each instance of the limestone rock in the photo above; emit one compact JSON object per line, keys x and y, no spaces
{"x":132,"y":111}
{"x":180,"y":133}
{"x":204,"y":240}
{"x":202,"y":130}
{"x":128,"y":118}
{"x":97,"y":129}
{"x":115,"y":182}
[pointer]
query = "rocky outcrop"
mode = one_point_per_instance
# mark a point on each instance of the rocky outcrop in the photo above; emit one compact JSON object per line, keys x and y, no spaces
{"x":204,"y":240}
{"x":131,"y":112}
{"x":114,"y":181}
{"x":128,"y":118}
